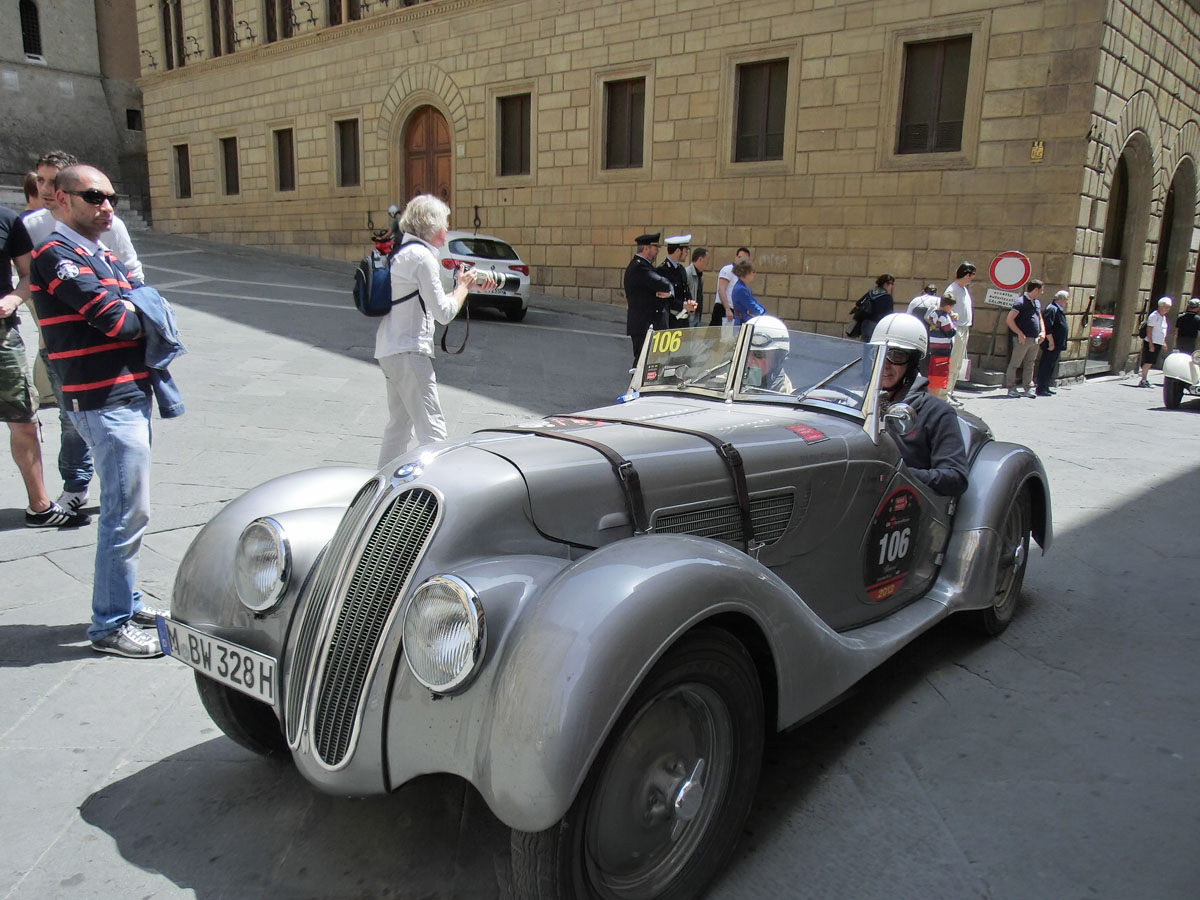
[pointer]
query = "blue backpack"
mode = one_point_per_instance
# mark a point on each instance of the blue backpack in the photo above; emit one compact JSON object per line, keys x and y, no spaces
{"x":373,"y":284}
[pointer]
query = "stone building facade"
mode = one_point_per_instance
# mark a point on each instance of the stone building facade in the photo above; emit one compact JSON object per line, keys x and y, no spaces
{"x":68,"y":79}
{"x":838,"y":139}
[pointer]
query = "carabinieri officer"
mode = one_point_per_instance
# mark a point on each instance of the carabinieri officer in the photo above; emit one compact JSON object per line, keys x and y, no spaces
{"x":646,"y":290}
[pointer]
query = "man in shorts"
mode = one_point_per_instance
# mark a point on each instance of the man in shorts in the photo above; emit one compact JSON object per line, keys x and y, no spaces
{"x":17,"y":403}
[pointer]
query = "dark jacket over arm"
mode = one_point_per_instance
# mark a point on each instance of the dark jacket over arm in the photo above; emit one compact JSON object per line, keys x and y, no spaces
{"x":934,"y":452}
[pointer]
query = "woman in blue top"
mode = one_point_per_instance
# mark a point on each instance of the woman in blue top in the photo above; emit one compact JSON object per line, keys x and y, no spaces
{"x":745,"y":307}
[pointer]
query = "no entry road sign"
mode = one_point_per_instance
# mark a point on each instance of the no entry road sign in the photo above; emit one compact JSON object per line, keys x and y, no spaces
{"x":1010,"y":270}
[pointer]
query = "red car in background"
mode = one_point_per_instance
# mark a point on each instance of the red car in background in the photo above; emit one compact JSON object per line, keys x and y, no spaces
{"x":1101,"y":334}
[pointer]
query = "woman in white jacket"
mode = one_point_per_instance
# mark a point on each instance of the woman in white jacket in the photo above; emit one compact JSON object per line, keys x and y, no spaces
{"x":404,"y":340}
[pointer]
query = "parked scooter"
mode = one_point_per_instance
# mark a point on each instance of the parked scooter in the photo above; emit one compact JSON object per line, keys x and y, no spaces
{"x":1181,"y":373}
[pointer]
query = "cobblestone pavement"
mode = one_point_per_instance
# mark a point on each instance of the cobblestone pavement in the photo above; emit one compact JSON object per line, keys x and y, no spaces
{"x":1057,"y":761}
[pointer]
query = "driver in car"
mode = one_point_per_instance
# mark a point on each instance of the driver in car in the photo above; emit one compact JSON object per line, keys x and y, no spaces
{"x":933,"y":451}
{"x":769,"y":346}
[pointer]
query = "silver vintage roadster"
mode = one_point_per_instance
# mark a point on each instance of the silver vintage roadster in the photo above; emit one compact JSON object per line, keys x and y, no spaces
{"x":597,"y":618}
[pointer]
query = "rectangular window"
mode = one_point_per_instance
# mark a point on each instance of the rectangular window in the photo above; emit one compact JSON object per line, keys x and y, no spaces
{"x":183,"y":172}
{"x":513,"y":114}
{"x":624,"y":120}
{"x":934,"y":96}
{"x":347,"y":152}
{"x":285,"y":160}
{"x":172,"y":29}
{"x":229,"y":166}
{"x":133,"y":119}
{"x":760,"y":111}
{"x":339,"y":11}
{"x":220,"y":16}
{"x":277,"y":17}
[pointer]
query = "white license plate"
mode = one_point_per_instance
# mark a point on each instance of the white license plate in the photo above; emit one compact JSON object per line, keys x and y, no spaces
{"x":231,"y":664}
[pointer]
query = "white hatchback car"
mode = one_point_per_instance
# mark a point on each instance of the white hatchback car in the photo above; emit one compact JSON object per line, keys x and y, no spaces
{"x":487,"y":254}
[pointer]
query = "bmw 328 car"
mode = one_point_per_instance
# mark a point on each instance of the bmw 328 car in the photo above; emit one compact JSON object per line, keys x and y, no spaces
{"x":596,"y":618}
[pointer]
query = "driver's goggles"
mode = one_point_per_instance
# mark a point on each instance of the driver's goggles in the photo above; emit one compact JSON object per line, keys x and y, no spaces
{"x":896,"y":356}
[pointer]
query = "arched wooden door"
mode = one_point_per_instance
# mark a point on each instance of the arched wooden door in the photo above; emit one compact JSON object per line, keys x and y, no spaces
{"x":427,"y":156}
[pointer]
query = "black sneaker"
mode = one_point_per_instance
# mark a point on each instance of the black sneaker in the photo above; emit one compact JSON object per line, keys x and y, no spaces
{"x":144,"y":617}
{"x":54,"y":516}
{"x":130,"y":641}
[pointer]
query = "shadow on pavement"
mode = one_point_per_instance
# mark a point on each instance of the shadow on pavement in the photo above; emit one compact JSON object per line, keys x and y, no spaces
{"x":22,"y":646}
{"x":255,"y":830}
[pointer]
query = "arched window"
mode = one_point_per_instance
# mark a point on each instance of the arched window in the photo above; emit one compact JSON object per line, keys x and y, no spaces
{"x":31,"y":31}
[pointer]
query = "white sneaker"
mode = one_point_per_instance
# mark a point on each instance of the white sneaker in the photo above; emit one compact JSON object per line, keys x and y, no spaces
{"x":72,"y":500}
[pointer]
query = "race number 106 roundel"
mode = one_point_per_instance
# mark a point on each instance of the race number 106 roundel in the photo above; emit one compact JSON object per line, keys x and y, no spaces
{"x":891,"y":544}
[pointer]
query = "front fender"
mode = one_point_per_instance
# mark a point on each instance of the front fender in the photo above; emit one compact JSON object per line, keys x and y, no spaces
{"x":308,"y":504}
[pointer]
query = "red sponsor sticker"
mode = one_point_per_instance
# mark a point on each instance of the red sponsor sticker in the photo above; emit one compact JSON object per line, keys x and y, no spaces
{"x":810,"y":434}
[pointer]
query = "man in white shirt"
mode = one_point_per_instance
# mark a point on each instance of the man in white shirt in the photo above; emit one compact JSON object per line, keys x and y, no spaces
{"x":962,"y":333}
{"x":723,"y":307}
{"x":41,"y":222}
{"x":1155,"y":339}
{"x":75,"y":464}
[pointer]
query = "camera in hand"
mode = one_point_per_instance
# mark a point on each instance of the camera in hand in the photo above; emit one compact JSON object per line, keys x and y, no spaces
{"x":510,"y":283}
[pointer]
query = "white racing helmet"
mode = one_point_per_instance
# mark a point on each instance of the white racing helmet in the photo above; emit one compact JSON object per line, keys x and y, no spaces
{"x":902,"y":330}
{"x":769,"y":334}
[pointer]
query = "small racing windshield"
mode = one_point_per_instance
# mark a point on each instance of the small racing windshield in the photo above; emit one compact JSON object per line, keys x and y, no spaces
{"x":760,"y":362}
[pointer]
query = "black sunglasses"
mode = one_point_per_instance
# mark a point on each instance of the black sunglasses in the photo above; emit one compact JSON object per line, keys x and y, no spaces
{"x":96,"y":197}
{"x":897,"y":356}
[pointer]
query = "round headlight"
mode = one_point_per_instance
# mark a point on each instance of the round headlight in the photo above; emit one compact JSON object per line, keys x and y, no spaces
{"x":444,"y":634}
{"x":262,"y":565}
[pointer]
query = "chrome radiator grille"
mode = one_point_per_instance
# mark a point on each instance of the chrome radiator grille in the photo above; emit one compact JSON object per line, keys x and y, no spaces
{"x":318,"y":601}
{"x":379,"y":577}
{"x":770,"y":516}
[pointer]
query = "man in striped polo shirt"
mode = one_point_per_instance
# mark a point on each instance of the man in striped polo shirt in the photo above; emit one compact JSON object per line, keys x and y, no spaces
{"x":94,"y":340}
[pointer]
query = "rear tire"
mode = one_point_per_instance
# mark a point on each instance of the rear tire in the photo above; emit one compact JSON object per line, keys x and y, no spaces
{"x":665,"y":801}
{"x":1011,"y":560}
{"x":1172,"y":392}
{"x":245,"y":721}
{"x":515,"y":315}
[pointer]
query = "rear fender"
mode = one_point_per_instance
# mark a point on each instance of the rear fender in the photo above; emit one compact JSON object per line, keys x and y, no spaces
{"x":1000,"y":472}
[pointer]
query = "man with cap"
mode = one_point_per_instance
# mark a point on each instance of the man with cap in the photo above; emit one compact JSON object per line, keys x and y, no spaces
{"x":646,"y":290}
{"x":682,"y":303}
{"x":1187,"y":327}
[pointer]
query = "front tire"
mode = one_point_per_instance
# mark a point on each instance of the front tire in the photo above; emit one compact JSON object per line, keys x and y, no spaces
{"x":665,"y":801}
{"x":515,"y":315}
{"x":1010,"y":569}
{"x":245,"y":721}
{"x":1172,"y":392}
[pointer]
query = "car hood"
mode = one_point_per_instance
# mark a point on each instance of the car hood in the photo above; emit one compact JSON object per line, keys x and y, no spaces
{"x":575,"y":495}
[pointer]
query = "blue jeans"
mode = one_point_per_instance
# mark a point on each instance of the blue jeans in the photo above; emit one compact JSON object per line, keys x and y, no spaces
{"x":74,"y":461}
{"x":120,"y":440}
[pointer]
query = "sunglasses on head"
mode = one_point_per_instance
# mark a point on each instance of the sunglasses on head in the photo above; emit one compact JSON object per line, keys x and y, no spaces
{"x":96,"y":197}
{"x":896,"y":356}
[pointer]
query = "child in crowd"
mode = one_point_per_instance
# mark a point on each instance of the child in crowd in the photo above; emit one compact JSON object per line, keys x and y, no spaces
{"x":941,"y":340}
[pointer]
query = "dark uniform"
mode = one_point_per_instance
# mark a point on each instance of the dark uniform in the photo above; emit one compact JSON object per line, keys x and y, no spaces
{"x":646,"y":311}
{"x":681,"y":292}
{"x":934,"y":452}
{"x":1056,"y":327}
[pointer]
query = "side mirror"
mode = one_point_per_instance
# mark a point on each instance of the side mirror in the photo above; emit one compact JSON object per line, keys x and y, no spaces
{"x":900,"y":420}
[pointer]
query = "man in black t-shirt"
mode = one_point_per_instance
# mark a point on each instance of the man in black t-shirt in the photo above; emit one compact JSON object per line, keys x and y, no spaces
{"x":17,"y":403}
{"x":1187,"y":327}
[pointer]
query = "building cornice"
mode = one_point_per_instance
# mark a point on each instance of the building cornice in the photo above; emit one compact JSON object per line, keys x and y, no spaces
{"x":409,"y":15}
